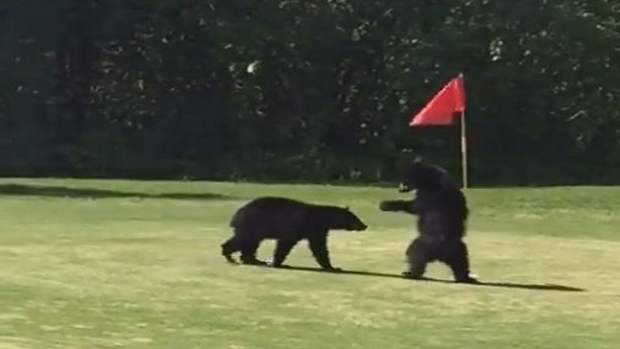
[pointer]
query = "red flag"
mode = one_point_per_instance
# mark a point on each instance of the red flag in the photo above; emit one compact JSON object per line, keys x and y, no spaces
{"x":440,"y":110}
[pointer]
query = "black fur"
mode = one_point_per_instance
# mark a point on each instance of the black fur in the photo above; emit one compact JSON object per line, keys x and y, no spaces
{"x":287,"y":221}
{"x":442,"y":213}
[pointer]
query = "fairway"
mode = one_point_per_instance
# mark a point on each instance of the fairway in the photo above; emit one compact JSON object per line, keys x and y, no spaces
{"x":89,"y":264}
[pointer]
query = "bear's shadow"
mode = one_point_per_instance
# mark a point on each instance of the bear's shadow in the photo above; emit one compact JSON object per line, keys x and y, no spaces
{"x":544,"y":287}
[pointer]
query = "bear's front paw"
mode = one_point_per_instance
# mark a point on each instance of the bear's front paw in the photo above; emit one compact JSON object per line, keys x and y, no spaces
{"x":333,"y":269}
{"x":279,"y":266}
{"x":409,"y":275}
{"x":253,"y":261}
{"x":468,"y":280}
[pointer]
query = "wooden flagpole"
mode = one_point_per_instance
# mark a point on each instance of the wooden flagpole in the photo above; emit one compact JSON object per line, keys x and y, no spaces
{"x":464,"y":151}
{"x":464,"y":143}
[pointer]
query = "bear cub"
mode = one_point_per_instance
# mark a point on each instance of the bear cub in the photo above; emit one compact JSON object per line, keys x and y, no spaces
{"x":442,"y":213}
{"x":287,"y":221}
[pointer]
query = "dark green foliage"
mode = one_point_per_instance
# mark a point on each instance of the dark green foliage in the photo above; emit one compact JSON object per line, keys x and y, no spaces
{"x":152,"y":89}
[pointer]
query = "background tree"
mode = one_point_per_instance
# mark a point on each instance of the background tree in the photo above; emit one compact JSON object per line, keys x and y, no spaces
{"x":307,"y":90}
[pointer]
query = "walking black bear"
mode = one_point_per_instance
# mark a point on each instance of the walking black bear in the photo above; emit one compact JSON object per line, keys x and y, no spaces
{"x":288,"y":221}
{"x":442,"y":213}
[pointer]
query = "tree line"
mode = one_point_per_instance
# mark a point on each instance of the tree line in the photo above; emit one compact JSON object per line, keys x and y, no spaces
{"x":308,"y":90}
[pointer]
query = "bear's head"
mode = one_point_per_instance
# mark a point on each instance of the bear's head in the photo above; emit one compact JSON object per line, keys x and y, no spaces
{"x":424,"y":175}
{"x":341,"y":218}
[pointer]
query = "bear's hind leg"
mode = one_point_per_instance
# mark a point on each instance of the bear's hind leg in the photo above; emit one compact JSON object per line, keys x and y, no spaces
{"x":229,"y":247}
{"x":318,"y":246}
{"x":457,"y":258}
{"x":248,"y":252}
{"x":418,"y":256}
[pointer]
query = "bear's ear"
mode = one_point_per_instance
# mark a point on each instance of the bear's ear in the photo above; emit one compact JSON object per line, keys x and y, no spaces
{"x":347,"y":208}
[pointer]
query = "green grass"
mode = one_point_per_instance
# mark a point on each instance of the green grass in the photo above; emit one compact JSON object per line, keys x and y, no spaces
{"x":124,"y":264}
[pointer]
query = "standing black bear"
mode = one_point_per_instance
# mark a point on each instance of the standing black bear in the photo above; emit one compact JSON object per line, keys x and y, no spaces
{"x":288,"y":221}
{"x":442,"y":213}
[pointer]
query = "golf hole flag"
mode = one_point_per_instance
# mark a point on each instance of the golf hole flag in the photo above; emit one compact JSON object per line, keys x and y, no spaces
{"x":441,"y":109}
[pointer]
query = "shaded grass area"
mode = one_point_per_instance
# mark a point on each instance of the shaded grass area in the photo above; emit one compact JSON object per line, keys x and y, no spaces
{"x":93,"y":193}
{"x":139,"y":267}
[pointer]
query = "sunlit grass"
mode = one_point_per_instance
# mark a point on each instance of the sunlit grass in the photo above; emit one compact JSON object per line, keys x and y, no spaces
{"x":122,"y":264}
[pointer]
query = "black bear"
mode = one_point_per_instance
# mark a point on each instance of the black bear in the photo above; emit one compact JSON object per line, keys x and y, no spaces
{"x":287,"y":221}
{"x":442,"y":213}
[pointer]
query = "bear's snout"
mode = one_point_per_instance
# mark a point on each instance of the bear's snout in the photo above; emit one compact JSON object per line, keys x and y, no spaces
{"x":360,"y":227}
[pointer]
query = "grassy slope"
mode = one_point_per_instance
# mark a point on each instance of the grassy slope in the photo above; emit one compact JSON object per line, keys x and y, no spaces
{"x":84,"y":264}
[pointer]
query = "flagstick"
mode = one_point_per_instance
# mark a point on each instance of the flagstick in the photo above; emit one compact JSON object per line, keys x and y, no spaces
{"x":464,"y":150}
